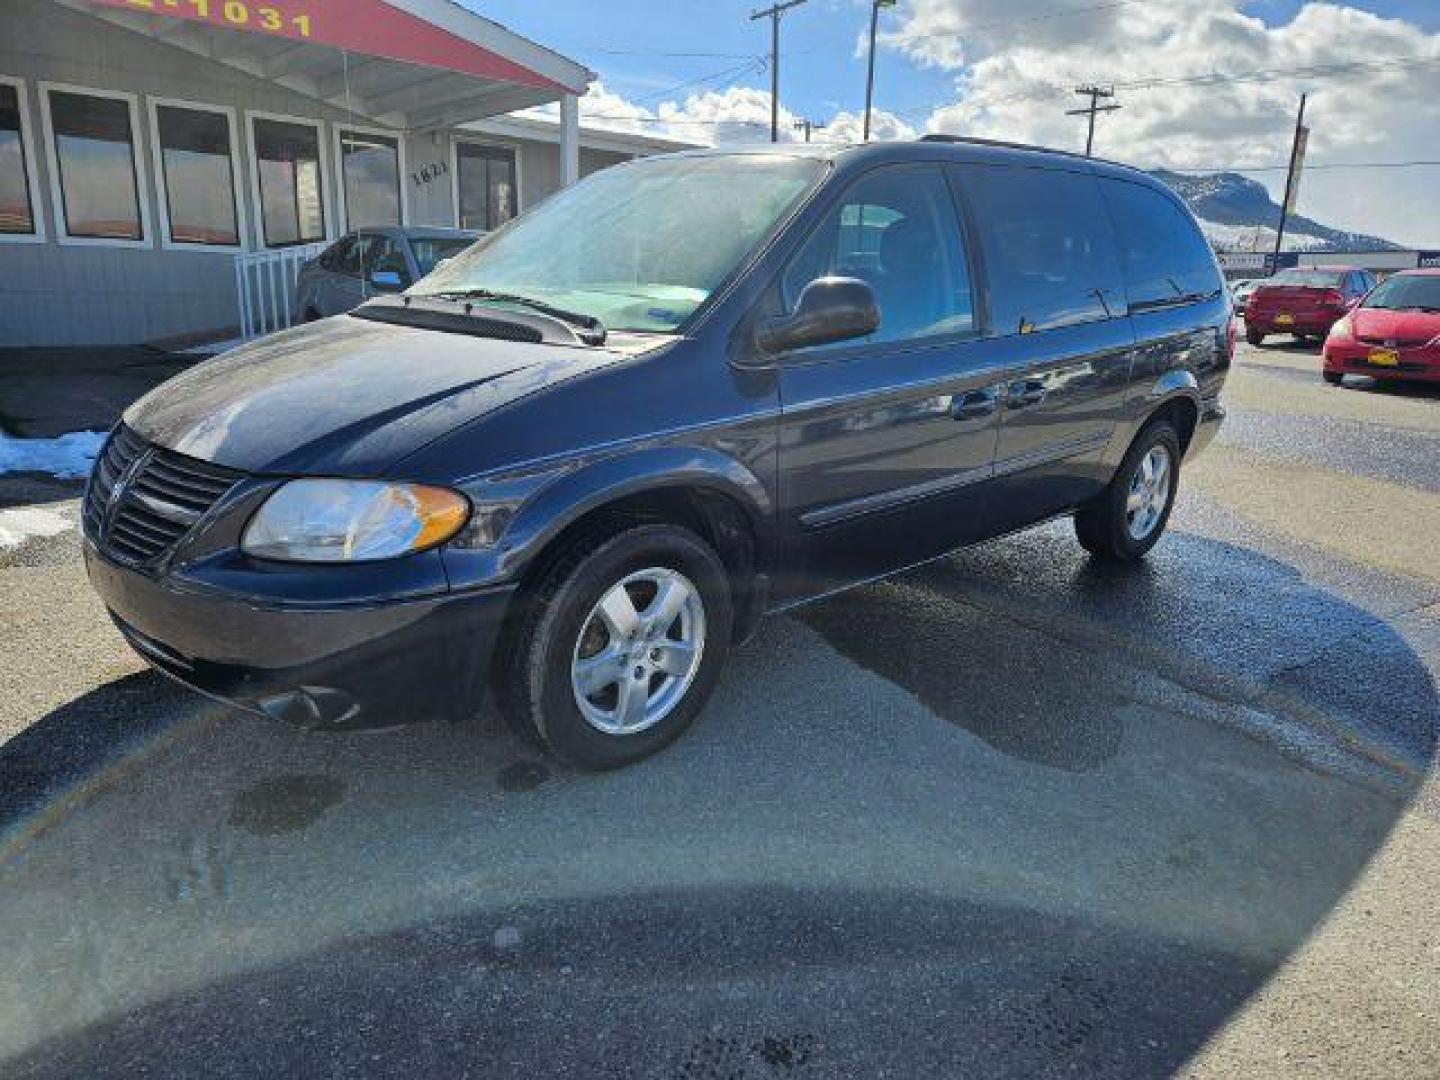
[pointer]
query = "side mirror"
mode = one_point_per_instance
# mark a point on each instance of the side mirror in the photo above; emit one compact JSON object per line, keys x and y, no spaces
{"x":386,"y":281}
{"x":830,"y":309}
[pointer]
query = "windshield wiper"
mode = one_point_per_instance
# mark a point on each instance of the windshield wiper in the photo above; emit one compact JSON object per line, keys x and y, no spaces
{"x":594,"y":329}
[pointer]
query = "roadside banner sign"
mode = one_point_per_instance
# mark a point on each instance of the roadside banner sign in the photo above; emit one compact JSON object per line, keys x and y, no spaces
{"x":1297,"y":166}
{"x":1427,"y":258}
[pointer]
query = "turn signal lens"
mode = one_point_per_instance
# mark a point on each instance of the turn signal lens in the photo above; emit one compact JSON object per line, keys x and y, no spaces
{"x":353,"y":520}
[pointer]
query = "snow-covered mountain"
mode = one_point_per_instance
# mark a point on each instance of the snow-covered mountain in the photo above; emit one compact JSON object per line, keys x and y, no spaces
{"x":1238,"y":214}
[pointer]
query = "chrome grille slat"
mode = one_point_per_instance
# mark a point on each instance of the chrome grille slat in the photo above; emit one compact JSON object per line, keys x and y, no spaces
{"x":164,"y":498}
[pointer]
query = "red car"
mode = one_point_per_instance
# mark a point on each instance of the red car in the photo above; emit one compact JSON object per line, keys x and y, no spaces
{"x":1393,"y":334}
{"x":1305,"y":301}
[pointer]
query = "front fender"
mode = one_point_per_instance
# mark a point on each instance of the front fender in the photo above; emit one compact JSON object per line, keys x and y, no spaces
{"x":557,"y":499}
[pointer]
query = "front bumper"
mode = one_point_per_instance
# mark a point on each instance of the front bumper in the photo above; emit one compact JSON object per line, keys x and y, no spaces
{"x":338,"y":666}
{"x":1421,"y":363}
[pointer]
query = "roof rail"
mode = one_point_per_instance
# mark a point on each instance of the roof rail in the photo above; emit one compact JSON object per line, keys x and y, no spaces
{"x":939,"y":137}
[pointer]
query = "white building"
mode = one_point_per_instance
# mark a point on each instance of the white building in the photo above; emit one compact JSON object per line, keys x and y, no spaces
{"x":144,"y":144}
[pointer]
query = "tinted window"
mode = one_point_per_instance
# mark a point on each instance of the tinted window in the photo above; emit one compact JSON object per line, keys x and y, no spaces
{"x":1309,"y":279}
{"x":95,"y":149}
{"x":1417,"y":291}
{"x":428,"y":252}
{"x":16,"y":214}
{"x":896,"y":229}
{"x":1049,"y":249}
{"x":370,"y":168}
{"x":337,"y":253}
{"x":384,"y":255}
{"x":1164,"y":256}
{"x":197,"y":182}
{"x":485,"y":181}
{"x":287,"y":157}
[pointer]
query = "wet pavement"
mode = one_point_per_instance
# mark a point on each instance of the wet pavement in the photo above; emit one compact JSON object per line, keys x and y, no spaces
{"x":1007,"y":815}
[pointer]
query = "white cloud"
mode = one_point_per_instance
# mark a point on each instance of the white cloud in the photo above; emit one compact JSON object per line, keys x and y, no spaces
{"x":1016,"y":66}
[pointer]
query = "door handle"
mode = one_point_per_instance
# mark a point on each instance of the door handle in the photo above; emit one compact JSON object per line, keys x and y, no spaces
{"x":1025,"y":392}
{"x":975,"y":404}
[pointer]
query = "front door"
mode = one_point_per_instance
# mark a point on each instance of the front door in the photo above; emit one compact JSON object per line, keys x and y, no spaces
{"x":1058,"y":310}
{"x":886,"y":443}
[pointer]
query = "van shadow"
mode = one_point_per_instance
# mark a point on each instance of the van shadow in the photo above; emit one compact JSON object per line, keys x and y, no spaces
{"x":1073,"y":876}
{"x":74,"y":743}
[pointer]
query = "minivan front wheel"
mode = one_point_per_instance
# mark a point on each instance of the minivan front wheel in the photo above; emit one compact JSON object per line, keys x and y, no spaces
{"x":619,"y":645}
{"x":1128,"y":519}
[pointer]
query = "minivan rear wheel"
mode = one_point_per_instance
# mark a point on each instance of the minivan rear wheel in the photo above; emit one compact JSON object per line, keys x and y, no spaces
{"x":618,"y":646}
{"x":1254,"y":337}
{"x":1129,"y":518}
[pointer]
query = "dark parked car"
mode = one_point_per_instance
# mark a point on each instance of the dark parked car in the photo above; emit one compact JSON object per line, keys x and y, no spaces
{"x":372,"y":262}
{"x":1305,"y":301}
{"x":584,"y":458}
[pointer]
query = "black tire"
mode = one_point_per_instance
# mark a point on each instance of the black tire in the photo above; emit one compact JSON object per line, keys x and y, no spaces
{"x":1254,"y":337}
{"x":1334,"y":378}
{"x":533,"y":671}
{"x":1103,"y":527}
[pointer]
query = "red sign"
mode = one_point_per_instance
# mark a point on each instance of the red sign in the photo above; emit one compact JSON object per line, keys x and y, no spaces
{"x":366,"y":27}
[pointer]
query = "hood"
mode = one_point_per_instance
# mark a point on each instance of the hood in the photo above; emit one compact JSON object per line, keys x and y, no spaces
{"x":1403,"y":327}
{"x":346,"y":396}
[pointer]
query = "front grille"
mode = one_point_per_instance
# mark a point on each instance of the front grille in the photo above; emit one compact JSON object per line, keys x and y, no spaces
{"x":1394,"y":343}
{"x":161,"y":494}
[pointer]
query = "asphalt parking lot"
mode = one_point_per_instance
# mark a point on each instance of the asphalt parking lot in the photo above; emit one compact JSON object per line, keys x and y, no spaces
{"x":1007,"y":815}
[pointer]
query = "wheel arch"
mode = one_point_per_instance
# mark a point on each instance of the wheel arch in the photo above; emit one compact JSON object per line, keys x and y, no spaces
{"x":704,"y":490}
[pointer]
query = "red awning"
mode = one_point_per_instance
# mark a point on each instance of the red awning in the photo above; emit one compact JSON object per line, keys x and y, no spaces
{"x":363,"y":27}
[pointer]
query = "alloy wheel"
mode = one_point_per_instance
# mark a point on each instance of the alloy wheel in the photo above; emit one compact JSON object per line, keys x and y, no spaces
{"x":638,"y":651}
{"x":1149,"y":492}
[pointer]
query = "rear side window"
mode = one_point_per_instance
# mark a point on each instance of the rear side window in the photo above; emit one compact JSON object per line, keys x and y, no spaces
{"x":895,"y":228}
{"x":1049,"y":249}
{"x":337,"y":254}
{"x":1165,"y":257}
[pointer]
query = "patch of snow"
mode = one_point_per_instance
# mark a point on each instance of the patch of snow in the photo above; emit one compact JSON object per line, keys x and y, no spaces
{"x":68,"y":457}
{"x":1255,"y":237}
{"x":19,"y":525}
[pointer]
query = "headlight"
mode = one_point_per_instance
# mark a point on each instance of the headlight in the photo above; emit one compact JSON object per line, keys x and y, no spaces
{"x":1343,"y":328}
{"x":353,"y":520}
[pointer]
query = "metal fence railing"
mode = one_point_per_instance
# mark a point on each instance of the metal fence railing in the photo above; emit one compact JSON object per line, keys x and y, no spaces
{"x":265,"y":287}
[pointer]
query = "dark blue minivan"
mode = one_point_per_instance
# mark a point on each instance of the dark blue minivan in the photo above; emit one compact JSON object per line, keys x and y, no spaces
{"x":580,"y":461}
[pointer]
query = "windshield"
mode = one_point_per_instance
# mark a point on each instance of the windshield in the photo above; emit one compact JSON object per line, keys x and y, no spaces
{"x":640,"y":246}
{"x":1309,"y":279}
{"x":1419,"y":292}
{"x":431,"y":250}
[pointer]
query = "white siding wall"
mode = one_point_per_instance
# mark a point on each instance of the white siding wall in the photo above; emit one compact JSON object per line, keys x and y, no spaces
{"x":52,"y":294}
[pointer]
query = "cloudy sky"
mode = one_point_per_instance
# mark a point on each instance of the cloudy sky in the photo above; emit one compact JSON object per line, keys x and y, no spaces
{"x":1204,"y":84}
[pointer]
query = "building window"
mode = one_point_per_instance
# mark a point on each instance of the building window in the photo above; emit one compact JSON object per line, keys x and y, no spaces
{"x":370,"y":177}
{"x":97,"y":170}
{"x":17,"y":173}
{"x":195,"y":162}
{"x":485,"y":185}
{"x":288,"y":176}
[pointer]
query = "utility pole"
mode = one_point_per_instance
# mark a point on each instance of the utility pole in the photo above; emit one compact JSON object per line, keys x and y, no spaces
{"x":806,"y":126}
{"x":1292,"y":180}
{"x":875,"y":6}
{"x":773,"y":13}
{"x":1096,"y":94}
